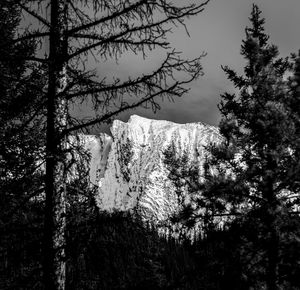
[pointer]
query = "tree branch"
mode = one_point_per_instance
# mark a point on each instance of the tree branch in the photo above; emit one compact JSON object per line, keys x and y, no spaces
{"x":124,"y":85}
{"x":120,"y":110}
{"x":35,"y":15}
{"x":170,"y":17}
{"x":34,"y":35}
{"x":109,"y":17}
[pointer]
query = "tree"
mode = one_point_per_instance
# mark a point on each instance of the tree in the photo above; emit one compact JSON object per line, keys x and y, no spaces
{"x":257,"y":166}
{"x":19,"y":97}
{"x":76,"y":31}
{"x":21,"y":139}
{"x":253,"y":175}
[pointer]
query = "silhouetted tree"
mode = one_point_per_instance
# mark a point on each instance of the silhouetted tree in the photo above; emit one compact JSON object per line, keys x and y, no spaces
{"x":77,"y":31}
{"x":19,"y":99}
{"x":256,"y":169}
{"x":21,"y":141}
{"x":253,"y":175}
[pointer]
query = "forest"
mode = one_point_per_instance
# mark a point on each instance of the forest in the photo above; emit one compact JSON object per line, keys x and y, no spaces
{"x":53,"y":234}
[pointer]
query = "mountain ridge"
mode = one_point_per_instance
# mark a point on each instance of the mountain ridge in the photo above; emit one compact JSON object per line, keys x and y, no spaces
{"x":128,"y":166}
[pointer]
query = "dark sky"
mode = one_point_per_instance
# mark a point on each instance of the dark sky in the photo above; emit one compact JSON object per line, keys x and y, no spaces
{"x":218,"y":31}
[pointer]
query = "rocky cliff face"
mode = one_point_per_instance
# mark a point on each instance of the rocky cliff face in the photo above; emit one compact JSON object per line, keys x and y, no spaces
{"x":129,"y":167}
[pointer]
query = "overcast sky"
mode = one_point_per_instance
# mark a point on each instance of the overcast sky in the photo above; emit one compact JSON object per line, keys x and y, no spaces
{"x":219,"y":31}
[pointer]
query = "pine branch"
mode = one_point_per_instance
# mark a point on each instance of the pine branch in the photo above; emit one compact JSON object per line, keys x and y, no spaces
{"x":34,"y":35}
{"x":35,"y":15}
{"x":121,"y":109}
{"x":107,"y":18}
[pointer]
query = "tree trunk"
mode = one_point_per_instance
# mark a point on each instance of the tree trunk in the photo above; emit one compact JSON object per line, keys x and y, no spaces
{"x":272,"y":244}
{"x":55,"y":205}
{"x":272,"y":255}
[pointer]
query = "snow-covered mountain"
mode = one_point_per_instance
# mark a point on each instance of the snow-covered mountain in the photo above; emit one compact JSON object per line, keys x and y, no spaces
{"x":129,"y":169}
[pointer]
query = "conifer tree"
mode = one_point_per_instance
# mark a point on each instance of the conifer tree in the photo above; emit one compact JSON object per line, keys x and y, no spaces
{"x":20,"y":87}
{"x":21,"y":140}
{"x":21,"y":135}
{"x":253,"y":176}
{"x":256,"y":170}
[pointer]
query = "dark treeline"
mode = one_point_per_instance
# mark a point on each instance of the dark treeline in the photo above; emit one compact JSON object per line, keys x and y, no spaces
{"x":119,"y":251}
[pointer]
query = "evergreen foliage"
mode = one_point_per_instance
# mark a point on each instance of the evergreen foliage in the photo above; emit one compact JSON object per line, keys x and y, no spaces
{"x":21,"y":83}
{"x":256,"y":169}
{"x":252,"y":177}
{"x":21,"y":138}
{"x":119,"y":251}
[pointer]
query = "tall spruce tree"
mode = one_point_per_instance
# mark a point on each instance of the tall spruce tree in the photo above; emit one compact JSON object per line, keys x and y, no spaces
{"x":253,"y":176}
{"x":21,"y":85}
{"x":77,"y":31}
{"x":21,"y":139}
{"x":21,"y":135}
{"x":256,"y":170}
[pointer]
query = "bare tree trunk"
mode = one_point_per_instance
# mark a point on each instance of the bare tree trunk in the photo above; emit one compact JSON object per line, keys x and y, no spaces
{"x":55,"y":180}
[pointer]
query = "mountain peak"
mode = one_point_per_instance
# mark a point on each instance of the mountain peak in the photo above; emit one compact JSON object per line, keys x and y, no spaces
{"x":143,"y":120}
{"x":135,"y":176}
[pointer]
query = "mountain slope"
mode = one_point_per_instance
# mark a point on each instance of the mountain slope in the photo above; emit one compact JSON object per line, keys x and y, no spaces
{"x":129,"y":166}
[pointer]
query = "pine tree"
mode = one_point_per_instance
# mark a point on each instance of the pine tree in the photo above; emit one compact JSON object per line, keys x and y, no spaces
{"x":20,"y":135}
{"x":256,"y":169}
{"x":253,"y":176}
{"x":21,"y":140}
{"x":20,"y":89}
